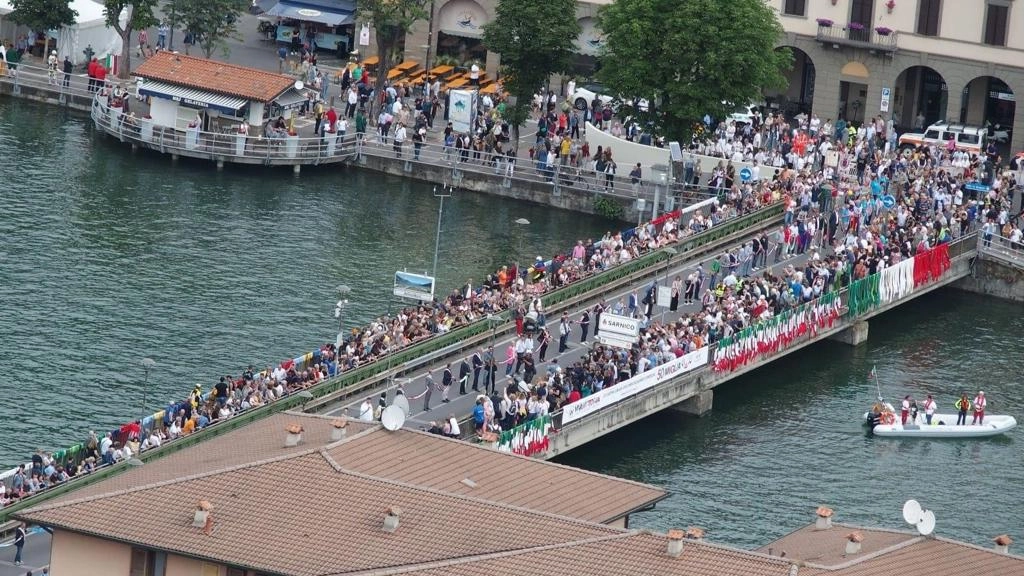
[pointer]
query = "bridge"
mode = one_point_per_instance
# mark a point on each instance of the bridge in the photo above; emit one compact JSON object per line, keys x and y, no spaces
{"x":842,"y":316}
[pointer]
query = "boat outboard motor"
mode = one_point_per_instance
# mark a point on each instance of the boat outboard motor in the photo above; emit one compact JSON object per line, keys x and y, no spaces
{"x":873,"y":419}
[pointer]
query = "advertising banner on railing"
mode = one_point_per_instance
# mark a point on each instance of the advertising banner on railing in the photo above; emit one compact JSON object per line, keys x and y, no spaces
{"x":634,"y":385}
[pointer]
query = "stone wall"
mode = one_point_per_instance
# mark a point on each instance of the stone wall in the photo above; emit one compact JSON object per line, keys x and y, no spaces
{"x":993,"y":278}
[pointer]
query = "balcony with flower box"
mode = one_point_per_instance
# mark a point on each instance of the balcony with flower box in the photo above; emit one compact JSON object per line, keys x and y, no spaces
{"x":857,"y":35}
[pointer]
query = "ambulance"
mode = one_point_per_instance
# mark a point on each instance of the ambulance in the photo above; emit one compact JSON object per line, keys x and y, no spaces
{"x":968,"y":138}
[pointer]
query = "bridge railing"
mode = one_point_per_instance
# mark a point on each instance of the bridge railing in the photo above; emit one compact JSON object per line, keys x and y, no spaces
{"x":1001,"y":248}
{"x":964,"y":246}
{"x":22,"y":75}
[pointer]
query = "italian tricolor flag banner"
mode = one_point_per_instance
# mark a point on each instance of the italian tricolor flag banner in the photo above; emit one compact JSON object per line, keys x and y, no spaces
{"x":930,"y":265}
{"x":527,"y":439}
{"x":777,"y":333}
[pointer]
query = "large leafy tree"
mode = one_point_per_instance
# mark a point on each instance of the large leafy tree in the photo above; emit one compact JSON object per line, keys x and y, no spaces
{"x":211,"y":22}
{"x":391,"y":20}
{"x":691,"y":57}
{"x":140,"y":15}
{"x":43,"y":15}
{"x":535,"y":38}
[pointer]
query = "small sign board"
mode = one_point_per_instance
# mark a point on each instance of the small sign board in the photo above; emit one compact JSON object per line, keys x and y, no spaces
{"x":414,"y":286}
{"x":832,"y":158}
{"x":622,"y":327}
{"x":664,"y":296}
{"x":610,"y":340}
{"x":746,"y":174}
{"x":888,"y":201}
{"x":676,"y":152}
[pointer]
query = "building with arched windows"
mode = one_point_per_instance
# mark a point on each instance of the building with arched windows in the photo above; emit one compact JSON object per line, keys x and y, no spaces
{"x":918,"y":61}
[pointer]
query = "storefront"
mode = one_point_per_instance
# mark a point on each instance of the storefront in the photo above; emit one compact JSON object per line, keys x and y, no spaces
{"x":327,"y":25}
{"x":461,"y":32}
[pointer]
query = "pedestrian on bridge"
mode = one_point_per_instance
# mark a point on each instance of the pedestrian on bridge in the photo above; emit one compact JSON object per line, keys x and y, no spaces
{"x":564,"y":328}
{"x":446,"y":382}
{"x":464,"y":371}
{"x":584,"y":326}
{"x":478,"y":364}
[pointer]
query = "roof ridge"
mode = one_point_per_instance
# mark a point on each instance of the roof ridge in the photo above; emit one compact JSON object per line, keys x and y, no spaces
{"x":484,"y":557}
{"x":875,"y":529}
{"x":866,"y":557}
{"x":479,"y":446}
{"x":977,"y":547}
{"x":726,"y":547}
{"x":196,"y":476}
{"x":177,"y":55}
{"x":475,"y":499}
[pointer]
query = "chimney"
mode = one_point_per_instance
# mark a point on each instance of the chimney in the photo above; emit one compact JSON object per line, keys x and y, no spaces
{"x":853,"y":540}
{"x":338,"y":429}
{"x":294,"y":435}
{"x":391,"y":519}
{"x":1003,"y":542}
{"x":675,"y":543}
{"x":202,"y":514}
{"x":824,"y":521}
{"x":695,"y":533}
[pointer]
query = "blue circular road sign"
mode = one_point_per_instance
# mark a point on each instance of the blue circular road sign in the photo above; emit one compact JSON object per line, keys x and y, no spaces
{"x":746,"y":174}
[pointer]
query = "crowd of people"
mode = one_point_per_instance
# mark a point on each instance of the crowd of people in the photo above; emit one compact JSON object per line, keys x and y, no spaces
{"x":873,"y":206}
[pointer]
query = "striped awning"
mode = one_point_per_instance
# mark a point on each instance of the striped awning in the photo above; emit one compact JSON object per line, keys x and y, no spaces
{"x":291,"y":99}
{"x":193,"y":98}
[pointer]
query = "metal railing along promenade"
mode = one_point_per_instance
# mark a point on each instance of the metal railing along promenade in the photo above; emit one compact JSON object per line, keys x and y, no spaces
{"x":220,"y":147}
{"x":22,"y":77}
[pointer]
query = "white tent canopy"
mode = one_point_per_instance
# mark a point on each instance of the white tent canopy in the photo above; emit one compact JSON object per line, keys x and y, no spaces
{"x":90,"y":29}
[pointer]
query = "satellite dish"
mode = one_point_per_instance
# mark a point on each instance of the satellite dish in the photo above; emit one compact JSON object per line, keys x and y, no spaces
{"x":402,"y":403}
{"x":927,"y":524}
{"x":299,"y":85}
{"x":911,"y":511}
{"x":923,"y":520}
{"x":392,"y":418}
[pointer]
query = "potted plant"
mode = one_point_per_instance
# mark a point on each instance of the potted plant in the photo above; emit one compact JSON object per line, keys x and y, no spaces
{"x":824,"y":22}
{"x":855,"y":26}
{"x":883,"y":31}
{"x":890,"y":5}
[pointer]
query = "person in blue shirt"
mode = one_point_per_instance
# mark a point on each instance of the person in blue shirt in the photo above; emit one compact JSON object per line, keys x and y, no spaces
{"x":478,"y":414}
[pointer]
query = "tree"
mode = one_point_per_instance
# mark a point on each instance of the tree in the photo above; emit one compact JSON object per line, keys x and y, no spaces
{"x":391,"y":20}
{"x":211,"y":22}
{"x":139,"y":15}
{"x":689,"y":58}
{"x":43,"y":15}
{"x":535,"y":38}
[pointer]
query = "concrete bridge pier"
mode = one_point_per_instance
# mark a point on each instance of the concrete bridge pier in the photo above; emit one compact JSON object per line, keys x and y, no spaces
{"x":697,"y":405}
{"x":855,"y":335}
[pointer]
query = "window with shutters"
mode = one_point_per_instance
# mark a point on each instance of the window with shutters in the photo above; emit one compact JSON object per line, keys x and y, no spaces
{"x":995,"y":24}
{"x":795,"y":8}
{"x":928,"y":17}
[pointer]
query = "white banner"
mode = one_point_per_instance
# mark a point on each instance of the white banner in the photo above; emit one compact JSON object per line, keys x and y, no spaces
{"x":623,"y":327}
{"x":634,"y":385}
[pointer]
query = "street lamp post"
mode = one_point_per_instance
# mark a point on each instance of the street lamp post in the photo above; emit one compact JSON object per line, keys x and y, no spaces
{"x":446,"y":192}
{"x":147,"y":365}
{"x":668,"y":266}
{"x":339,"y":311}
{"x":519,"y":242}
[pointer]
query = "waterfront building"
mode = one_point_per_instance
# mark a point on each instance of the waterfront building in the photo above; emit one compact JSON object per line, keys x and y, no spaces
{"x":185,"y":90}
{"x":303,"y":495}
{"x":918,"y":61}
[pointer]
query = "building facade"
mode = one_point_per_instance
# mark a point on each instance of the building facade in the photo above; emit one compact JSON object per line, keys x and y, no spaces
{"x":919,"y":61}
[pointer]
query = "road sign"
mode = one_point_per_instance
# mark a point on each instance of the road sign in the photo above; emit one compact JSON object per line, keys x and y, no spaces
{"x":609,"y":340}
{"x":888,"y":201}
{"x":884,"y":106}
{"x":886,"y":92}
{"x":746,"y":174}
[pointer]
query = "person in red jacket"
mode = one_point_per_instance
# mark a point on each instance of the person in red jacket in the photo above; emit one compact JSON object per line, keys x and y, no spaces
{"x":91,"y":69}
{"x":101,"y":75}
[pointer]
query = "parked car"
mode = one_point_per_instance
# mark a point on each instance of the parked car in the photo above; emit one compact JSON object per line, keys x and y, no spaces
{"x":586,"y":93}
{"x":745,"y":115}
{"x":972,"y":139}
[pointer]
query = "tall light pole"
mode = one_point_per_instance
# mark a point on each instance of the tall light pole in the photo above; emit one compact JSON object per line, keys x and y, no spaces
{"x":668,"y":266}
{"x":522,"y":222}
{"x":147,"y":365}
{"x":339,"y":310}
{"x":446,"y":192}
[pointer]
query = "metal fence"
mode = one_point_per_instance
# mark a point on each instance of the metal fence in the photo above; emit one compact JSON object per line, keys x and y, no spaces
{"x":1001,"y":248}
{"x":23,"y":76}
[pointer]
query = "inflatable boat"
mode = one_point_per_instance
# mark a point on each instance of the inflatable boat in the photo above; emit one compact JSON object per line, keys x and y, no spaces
{"x":887,"y":424}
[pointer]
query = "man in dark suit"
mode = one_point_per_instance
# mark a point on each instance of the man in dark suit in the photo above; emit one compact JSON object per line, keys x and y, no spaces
{"x":446,"y":382}
{"x":464,"y":370}
{"x":478,"y":363}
